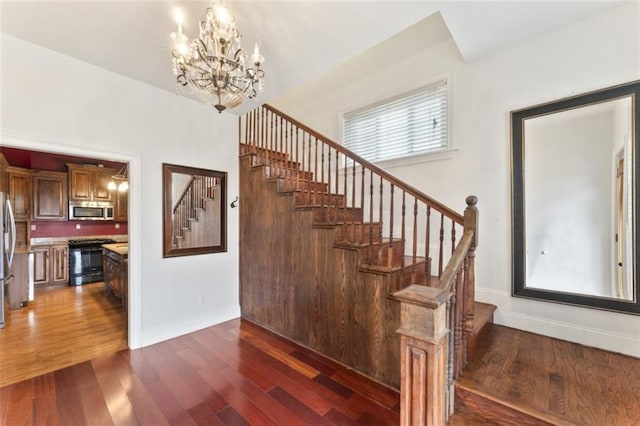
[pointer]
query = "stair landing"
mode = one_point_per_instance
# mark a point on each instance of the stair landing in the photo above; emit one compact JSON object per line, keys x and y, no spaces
{"x":521,"y":378}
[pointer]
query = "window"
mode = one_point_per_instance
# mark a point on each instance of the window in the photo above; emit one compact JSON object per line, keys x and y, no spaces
{"x":410,"y":124}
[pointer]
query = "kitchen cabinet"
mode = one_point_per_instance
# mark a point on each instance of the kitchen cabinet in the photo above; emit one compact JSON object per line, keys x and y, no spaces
{"x":18,"y":288}
{"x":19,"y":190}
{"x":89,"y":183}
{"x":51,"y":265}
{"x":115,"y":265}
{"x":50,"y":196}
{"x":4,"y":165}
{"x":121,"y":207}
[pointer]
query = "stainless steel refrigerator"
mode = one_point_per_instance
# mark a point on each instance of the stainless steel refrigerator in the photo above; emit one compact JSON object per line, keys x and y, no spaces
{"x":7,"y":249}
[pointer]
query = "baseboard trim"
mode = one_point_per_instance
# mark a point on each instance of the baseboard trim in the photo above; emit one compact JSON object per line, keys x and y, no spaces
{"x":160,"y":334}
{"x":599,"y":338}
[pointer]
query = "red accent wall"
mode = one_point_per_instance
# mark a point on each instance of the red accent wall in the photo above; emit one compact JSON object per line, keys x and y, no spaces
{"x":68,"y":228}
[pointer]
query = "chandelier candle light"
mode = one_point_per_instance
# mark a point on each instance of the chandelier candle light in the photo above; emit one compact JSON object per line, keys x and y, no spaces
{"x":214,"y":65}
{"x":120,"y":177}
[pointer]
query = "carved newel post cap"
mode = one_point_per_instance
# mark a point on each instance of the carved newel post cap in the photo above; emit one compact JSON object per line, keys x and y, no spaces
{"x":471,"y":200}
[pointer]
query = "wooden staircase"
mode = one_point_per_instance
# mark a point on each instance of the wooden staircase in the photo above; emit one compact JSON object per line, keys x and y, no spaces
{"x":327,"y":239}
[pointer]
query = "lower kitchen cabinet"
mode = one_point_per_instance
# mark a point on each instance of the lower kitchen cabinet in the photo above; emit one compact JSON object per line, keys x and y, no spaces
{"x":115,"y":269}
{"x":50,"y":265}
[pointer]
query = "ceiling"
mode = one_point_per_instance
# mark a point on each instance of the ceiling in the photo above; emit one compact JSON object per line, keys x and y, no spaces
{"x":300,"y":40}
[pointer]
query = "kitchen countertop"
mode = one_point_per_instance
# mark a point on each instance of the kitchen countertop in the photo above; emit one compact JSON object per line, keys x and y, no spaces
{"x":119,"y":248}
{"x":63,"y":240}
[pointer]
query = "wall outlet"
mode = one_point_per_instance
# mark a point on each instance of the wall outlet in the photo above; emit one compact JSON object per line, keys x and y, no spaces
{"x":77,"y":226}
{"x":117,"y":226}
{"x":34,"y":227}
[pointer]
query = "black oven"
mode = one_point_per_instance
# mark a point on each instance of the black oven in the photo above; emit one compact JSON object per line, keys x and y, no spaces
{"x":85,"y":260}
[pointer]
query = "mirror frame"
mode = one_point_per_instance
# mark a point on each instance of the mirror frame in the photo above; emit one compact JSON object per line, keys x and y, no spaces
{"x":167,"y":202}
{"x":519,"y":273}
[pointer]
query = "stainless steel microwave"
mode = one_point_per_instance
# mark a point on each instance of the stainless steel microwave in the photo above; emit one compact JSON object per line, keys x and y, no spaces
{"x":90,"y":210}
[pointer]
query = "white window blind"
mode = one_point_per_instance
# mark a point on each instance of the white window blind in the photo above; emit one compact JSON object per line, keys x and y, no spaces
{"x":413,"y":123}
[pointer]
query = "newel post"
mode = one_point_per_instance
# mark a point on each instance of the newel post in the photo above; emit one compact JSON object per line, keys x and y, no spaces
{"x":423,"y":355}
{"x":470,"y":223}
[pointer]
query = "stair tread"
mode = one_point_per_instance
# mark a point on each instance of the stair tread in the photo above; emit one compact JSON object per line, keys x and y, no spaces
{"x":501,"y":406}
{"x":481,"y":314}
{"x":408,"y":263}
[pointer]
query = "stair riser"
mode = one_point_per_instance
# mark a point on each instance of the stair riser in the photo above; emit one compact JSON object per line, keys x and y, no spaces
{"x":273,"y":172}
{"x":359,"y":232}
{"x":380,"y":254}
{"x":498,"y":413}
{"x":414,"y":275}
{"x":315,"y":198}
{"x":287,"y":185}
{"x":275,"y":163}
{"x":333,"y":215}
{"x":261,"y":152}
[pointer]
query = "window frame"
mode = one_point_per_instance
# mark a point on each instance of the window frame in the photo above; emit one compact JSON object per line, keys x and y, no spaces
{"x":440,"y":153}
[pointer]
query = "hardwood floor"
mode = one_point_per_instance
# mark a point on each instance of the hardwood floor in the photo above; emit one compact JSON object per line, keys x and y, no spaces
{"x":539,"y":380}
{"x":62,"y":327}
{"x":232,"y":374}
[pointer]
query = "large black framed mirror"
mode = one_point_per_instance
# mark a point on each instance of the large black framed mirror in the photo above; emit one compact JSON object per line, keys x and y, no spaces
{"x":194,"y":210}
{"x":574,"y":204}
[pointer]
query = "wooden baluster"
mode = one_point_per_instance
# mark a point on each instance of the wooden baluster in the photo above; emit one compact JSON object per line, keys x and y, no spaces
{"x":310,"y":185}
{"x":315,"y":167}
{"x":303,"y":167}
{"x":380,"y":212}
{"x":337,"y":186}
{"x":471,"y":219}
{"x":449,"y":386}
{"x":294,"y":184}
{"x":324,"y":209}
{"x":281,"y":147}
{"x":458,"y":324}
{"x":403,"y":212}
{"x":453,"y":235}
{"x":344,"y":206}
{"x":463,"y":312}
{"x":274,"y":131}
{"x":322,"y":179}
{"x":337,"y":172}
{"x":414,"y":256}
{"x":271,"y":138}
{"x":262,"y":127}
{"x":362,"y":205}
{"x":428,"y":242}
{"x":296,"y":162}
{"x":328,"y":181}
{"x":353,"y":198}
{"x":371,"y":217}
{"x":267,"y":140}
{"x":285,"y":175}
{"x":390,"y":253}
{"x":254,"y":142}
{"x":441,"y":250}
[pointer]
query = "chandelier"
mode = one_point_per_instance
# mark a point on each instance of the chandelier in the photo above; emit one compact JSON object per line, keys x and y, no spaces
{"x":214,"y":65}
{"x":120,"y":177}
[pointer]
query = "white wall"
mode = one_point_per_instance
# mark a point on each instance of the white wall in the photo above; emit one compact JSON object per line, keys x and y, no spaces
{"x":55,"y":103}
{"x":592,"y":54}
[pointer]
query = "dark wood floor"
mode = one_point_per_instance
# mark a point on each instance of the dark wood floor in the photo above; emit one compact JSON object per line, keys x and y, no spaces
{"x":234,"y":374}
{"x":562,"y":382}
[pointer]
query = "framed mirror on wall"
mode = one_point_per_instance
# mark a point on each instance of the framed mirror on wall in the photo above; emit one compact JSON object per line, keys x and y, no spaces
{"x":574,"y":202}
{"x":194,"y":210}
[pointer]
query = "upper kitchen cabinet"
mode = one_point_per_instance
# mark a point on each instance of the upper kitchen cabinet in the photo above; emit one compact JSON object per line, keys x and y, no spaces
{"x":89,"y":183}
{"x":121,"y":207}
{"x":19,"y":189}
{"x":50,"y":196}
{"x":3,"y":173}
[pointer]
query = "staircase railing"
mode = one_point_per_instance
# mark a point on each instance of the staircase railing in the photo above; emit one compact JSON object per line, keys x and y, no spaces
{"x":185,"y":211}
{"x":403,"y":228}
